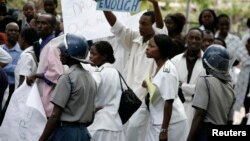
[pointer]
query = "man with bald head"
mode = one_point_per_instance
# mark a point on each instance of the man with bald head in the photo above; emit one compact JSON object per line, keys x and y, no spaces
{"x":45,"y":27}
{"x":49,"y":67}
{"x":12,"y":47}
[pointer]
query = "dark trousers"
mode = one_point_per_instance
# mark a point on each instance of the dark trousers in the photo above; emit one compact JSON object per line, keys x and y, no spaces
{"x":73,"y":132}
{"x":203,"y":134}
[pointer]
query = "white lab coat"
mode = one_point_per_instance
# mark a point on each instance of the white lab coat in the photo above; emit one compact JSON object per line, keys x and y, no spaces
{"x":166,"y":80}
{"x":26,"y":65}
{"x":188,"y":88}
{"x":107,"y":122}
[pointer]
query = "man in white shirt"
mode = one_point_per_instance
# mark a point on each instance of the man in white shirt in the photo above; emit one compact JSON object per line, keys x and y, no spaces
{"x":189,"y":67}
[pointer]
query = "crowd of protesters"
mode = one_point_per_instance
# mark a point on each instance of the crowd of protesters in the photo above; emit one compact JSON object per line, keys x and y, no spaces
{"x":201,"y":77}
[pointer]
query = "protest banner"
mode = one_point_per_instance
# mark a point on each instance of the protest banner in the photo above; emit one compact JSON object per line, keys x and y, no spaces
{"x":119,"y":5}
{"x":21,"y":122}
{"x":81,"y":17}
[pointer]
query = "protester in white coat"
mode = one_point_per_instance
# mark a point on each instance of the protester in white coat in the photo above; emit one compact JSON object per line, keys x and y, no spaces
{"x":168,"y":121}
{"x":27,"y":63}
{"x":107,"y":125}
{"x":138,"y":65}
{"x":189,"y":67}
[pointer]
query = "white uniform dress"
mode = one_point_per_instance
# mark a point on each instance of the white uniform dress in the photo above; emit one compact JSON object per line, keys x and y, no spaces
{"x":107,"y":125}
{"x":137,"y":69}
{"x":26,"y":65}
{"x":188,"y":88}
{"x":166,"y":80}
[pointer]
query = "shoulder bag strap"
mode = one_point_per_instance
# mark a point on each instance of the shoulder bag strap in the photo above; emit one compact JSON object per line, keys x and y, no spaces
{"x":121,"y":78}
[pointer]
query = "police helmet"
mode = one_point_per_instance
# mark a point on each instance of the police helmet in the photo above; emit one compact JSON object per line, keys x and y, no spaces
{"x":216,"y":62}
{"x":75,"y":47}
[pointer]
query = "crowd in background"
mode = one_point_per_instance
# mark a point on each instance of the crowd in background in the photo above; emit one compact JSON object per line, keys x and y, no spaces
{"x":172,"y":60}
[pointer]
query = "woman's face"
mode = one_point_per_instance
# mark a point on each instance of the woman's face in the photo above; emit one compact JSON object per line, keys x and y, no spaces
{"x":170,"y":24}
{"x":152,"y":50}
{"x":95,"y":57}
{"x":207,"y":18}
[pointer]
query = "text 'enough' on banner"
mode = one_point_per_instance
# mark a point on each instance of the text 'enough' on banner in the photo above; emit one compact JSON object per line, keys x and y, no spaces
{"x":119,"y":5}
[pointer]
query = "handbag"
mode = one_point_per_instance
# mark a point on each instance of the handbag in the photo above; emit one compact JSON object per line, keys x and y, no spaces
{"x":129,"y":102}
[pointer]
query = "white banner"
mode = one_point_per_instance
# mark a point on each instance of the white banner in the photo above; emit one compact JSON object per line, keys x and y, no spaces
{"x":34,"y":100}
{"x":81,"y":17}
{"x":22,"y":123}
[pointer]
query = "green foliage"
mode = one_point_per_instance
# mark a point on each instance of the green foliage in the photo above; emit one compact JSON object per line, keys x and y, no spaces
{"x":238,"y":10}
{"x":18,"y":4}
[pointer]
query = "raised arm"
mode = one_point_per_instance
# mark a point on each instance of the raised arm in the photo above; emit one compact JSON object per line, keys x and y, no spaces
{"x":111,"y":18}
{"x":158,"y":16}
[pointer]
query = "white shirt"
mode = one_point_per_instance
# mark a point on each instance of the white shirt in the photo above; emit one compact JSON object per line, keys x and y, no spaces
{"x":138,"y":66}
{"x":188,"y":89}
{"x":108,"y":96}
{"x":181,"y":66}
{"x":166,"y":81}
{"x":4,"y":56}
{"x":26,"y":65}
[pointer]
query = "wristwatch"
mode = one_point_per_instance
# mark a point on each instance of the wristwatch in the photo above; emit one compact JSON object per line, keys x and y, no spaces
{"x":164,"y":130}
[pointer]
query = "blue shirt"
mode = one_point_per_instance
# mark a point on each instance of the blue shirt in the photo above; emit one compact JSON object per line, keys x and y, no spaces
{"x":15,"y":53}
